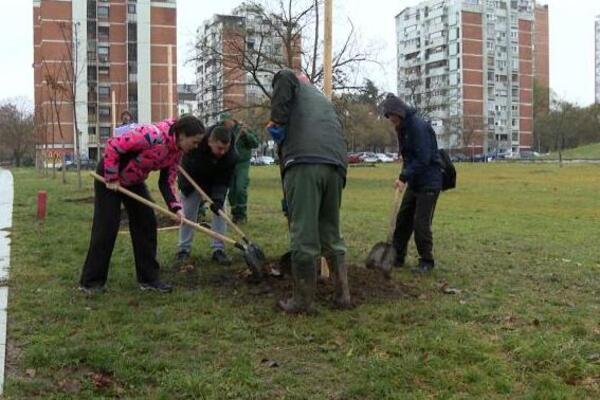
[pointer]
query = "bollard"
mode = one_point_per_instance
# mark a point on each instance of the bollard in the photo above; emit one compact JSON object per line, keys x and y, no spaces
{"x":42,"y":198}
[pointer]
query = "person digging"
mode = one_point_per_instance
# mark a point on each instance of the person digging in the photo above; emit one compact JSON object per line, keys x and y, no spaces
{"x":313,"y":155}
{"x":211,"y":166}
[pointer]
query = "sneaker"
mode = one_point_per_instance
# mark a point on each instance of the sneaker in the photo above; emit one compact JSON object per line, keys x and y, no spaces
{"x":182,"y":258}
{"x":239,"y":220}
{"x":424,"y":267}
{"x":156,"y":286}
{"x":221,"y":258}
{"x":399,"y":262}
{"x":91,"y":290}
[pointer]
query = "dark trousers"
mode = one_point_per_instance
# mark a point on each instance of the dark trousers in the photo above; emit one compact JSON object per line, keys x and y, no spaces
{"x":416,"y":214}
{"x":105,"y":227}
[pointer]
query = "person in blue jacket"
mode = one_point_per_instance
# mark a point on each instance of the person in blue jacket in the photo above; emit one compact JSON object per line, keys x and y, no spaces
{"x":420,"y":178}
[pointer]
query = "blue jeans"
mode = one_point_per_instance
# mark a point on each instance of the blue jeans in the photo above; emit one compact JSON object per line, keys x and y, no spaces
{"x":191,"y":205}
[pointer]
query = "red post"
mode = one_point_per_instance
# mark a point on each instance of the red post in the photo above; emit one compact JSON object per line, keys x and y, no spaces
{"x":42,"y":198}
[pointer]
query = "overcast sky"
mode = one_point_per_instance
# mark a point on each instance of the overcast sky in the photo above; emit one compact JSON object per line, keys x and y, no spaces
{"x":571,"y":41}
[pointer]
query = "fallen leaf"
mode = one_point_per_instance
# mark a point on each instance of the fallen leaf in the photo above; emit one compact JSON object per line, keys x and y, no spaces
{"x":69,"y":385}
{"x":101,"y":379}
{"x":265,"y":362}
{"x":445,"y":288}
{"x":593,"y":357}
{"x":589,"y":381}
{"x":536,"y":322}
{"x":30,"y":372}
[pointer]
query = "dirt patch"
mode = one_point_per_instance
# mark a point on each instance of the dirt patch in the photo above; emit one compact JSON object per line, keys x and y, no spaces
{"x":366,"y":286}
{"x":86,"y":199}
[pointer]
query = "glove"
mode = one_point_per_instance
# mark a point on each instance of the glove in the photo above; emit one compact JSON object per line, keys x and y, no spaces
{"x":276,"y":131}
{"x":216,"y":206}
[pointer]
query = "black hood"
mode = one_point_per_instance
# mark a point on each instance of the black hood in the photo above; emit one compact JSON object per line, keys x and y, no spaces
{"x":394,"y":105}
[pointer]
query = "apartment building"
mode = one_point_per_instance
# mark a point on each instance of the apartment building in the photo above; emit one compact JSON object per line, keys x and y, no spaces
{"x":597,"y":69}
{"x":225,"y":44}
{"x":117,"y":54}
{"x":468,"y":66}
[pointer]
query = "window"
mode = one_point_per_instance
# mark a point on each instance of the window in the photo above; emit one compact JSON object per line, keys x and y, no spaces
{"x":104,"y":111}
{"x":103,"y":69}
{"x":104,"y":91}
{"x":104,"y":132}
{"x":131,"y":8}
{"x":91,"y":130}
{"x":103,"y":53}
{"x":103,"y":11}
{"x":103,"y":32}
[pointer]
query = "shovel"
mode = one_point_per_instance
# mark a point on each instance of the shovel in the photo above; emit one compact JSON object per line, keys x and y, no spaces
{"x":253,"y":261}
{"x":258,"y":256}
{"x":383,"y":254}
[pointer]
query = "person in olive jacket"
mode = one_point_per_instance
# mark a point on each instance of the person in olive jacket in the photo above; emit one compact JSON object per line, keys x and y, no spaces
{"x":313,"y":156}
{"x":421,"y":177}
{"x":245,"y":141}
{"x":211,"y":166}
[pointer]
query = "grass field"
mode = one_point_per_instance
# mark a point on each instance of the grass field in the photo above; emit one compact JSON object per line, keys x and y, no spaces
{"x":519,"y":242}
{"x":587,"y":152}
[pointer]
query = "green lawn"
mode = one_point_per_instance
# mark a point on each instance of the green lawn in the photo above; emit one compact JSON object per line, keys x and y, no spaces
{"x":587,"y":152}
{"x":520,"y":242}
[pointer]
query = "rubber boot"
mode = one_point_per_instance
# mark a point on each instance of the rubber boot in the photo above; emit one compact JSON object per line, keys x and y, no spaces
{"x":305,"y":286}
{"x":339,"y":274}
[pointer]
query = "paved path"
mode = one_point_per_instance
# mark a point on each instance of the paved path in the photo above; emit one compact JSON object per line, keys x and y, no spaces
{"x":6,"y":205}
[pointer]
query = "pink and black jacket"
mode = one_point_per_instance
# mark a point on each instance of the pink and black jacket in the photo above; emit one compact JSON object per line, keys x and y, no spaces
{"x":131,"y":157}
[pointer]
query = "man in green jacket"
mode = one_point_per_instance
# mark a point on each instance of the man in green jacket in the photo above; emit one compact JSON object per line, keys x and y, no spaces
{"x":238,"y":191}
{"x":313,"y":156}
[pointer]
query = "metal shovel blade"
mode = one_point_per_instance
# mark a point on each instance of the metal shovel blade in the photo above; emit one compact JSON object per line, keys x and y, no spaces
{"x":255,"y":259}
{"x":382,"y":256}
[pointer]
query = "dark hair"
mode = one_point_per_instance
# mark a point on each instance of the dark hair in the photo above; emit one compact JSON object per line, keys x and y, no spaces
{"x":187,"y":125}
{"x":128,"y":113}
{"x":221,"y":134}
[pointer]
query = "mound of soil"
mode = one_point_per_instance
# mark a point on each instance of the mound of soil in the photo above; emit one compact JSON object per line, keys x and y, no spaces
{"x":366,"y":286}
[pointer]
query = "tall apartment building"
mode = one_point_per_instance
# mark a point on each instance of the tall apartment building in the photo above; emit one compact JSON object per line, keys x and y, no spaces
{"x":597,"y":59}
{"x":223,"y":42}
{"x":114,"y":48}
{"x":469,"y":64}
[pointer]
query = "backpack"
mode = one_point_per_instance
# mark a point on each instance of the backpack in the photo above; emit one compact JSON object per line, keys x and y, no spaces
{"x":446,"y":165}
{"x":448,"y":170}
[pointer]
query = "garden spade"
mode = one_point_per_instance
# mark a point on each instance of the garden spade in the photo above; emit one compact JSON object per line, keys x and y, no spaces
{"x":251,"y":250}
{"x":253,"y":260}
{"x":383,"y":254}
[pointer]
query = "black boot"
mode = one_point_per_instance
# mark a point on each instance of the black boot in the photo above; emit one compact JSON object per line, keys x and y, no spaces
{"x":424,"y":266}
{"x":305,"y":285}
{"x":339,"y":274}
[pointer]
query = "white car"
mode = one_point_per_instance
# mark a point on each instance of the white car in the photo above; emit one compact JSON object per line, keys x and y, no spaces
{"x":369,"y":158}
{"x":263,"y":160}
{"x":384,"y":158}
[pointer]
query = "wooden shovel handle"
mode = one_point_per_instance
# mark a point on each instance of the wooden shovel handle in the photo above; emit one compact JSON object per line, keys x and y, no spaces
{"x":395,"y":209}
{"x":207,"y":199}
{"x":171,"y":214}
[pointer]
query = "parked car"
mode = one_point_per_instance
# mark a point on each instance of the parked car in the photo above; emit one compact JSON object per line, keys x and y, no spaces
{"x":384,"y":158}
{"x":528,"y":154}
{"x":370,"y":158}
{"x":353,"y":158}
{"x":86,"y":163}
{"x":262,"y":160}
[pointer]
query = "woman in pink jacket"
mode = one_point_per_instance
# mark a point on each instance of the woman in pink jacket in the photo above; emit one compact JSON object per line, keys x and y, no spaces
{"x":128,"y":160}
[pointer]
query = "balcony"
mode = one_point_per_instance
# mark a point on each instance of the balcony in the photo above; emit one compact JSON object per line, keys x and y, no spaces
{"x":437,"y":71}
{"x":442,"y":55}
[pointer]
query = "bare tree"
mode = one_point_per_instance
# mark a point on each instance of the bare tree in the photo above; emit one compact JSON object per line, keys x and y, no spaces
{"x":17,"y":130}
{"x":278,"y":37}
{"x":472,"y":132}
{"x":73,"y":70}
{"x":57,"y":96}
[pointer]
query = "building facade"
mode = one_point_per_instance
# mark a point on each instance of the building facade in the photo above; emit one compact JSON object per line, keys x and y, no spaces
{"x":597,"y":69}
{"x":468,"y":65}
{"x":225,"y":44}
{"x":186,"y":99}
{"x":93,"y":59}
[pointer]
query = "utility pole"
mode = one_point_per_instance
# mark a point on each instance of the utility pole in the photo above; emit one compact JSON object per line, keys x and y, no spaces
{"x":74,"y":83}
{"x":327,"y":56}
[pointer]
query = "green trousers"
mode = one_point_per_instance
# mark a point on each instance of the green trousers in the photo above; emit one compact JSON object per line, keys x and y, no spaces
{"x":314,"y":196}
{"x":238,"y":191}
